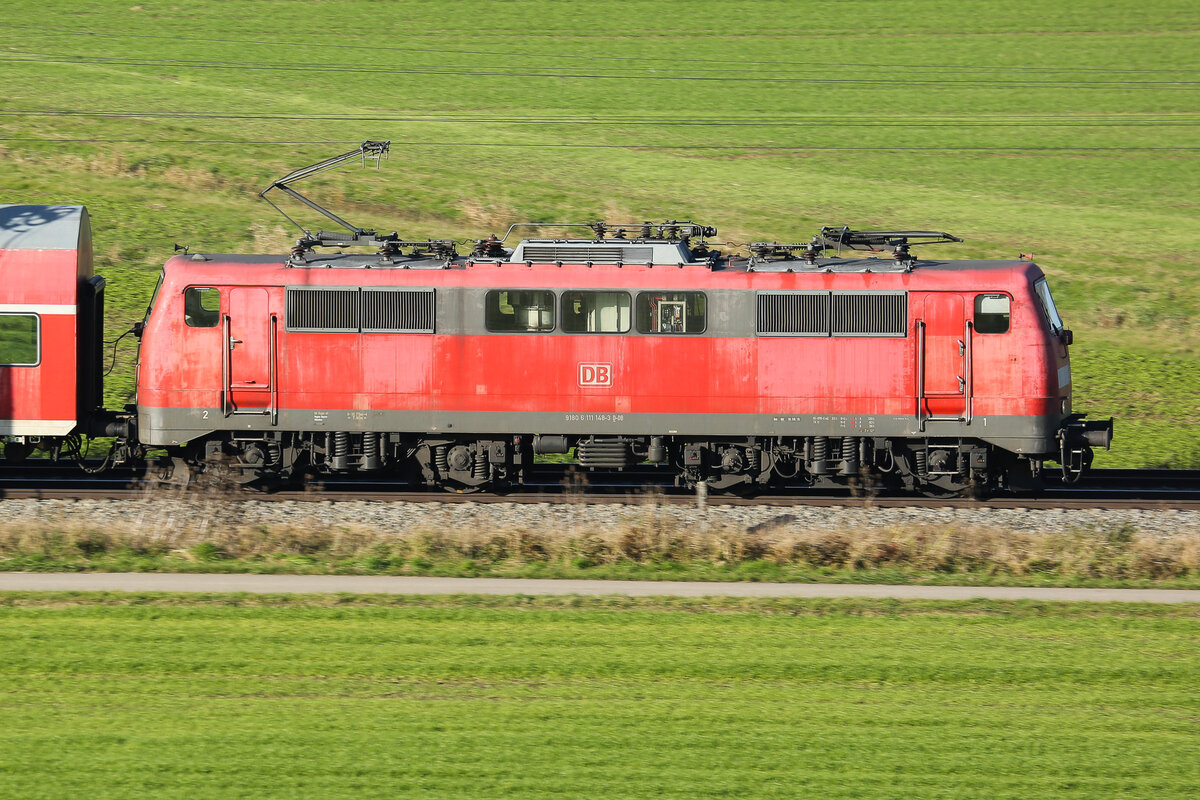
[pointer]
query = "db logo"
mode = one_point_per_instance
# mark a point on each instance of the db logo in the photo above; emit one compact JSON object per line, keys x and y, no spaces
{"x":595,"y":374}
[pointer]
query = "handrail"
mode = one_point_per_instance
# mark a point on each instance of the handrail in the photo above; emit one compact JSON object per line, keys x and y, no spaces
{"x":920,"y":375}
{"x":274,"y":370}
{"x":226,"y":400}
{"x":968,"y":388}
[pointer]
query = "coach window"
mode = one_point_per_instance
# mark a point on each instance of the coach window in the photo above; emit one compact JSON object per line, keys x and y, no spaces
{"x":201,"y":307}
{"x":671,"y":312}
{"x":992,"y":312}
{"x":18,"y":340}
{"x":596,"y":312}
{"x":527,"y":310}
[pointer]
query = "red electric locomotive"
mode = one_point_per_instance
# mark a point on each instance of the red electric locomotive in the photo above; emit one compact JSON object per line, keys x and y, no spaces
{"x":633,"y":345}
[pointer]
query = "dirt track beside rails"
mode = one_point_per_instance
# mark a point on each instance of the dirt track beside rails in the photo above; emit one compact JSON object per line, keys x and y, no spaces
{"x":317,"y":584}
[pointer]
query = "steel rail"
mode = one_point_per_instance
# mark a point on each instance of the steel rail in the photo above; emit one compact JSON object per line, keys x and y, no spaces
{"x":1105,"y":489}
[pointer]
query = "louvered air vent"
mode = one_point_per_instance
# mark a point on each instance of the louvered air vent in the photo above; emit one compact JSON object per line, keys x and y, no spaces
{"x":397,"y":311}
{"x":322,"y":310}
{"x":794,"y":313}
{"x":576,"y":254}
{"x":869,"y":314}
{"x":832,"y":313}
{"x":367,"y":310}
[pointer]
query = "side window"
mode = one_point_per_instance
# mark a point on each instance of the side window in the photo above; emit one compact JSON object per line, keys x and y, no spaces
{"x":201,"y":307}
{"x":519,"y":310}
{"x":671,"y":312}
{"x":992,"y":312}
{"x":595,"y":312}
{"x":19,"y":339}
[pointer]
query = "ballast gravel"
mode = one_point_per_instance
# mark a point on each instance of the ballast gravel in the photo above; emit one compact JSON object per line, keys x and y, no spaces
{"x":177,"y":513}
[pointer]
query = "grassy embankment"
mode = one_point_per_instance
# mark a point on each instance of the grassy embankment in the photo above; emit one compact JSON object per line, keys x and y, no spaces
{"x":1069,"y":134}
{"x":380,"y":697}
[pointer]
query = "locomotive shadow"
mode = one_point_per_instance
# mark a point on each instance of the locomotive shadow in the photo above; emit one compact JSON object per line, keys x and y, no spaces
{"x":16,"y":221}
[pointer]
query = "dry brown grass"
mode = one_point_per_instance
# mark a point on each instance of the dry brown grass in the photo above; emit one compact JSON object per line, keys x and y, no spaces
{"x":487,"y":215}
{"x":204,"y":527}
{"x":267,"y":239}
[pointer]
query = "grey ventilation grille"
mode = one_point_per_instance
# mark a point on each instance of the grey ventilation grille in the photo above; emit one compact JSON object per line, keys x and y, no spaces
{"x":869,"y":314}
{"x":577,"y":254}
{"x":397,"y":311}
{"x":360,"y":310}
{"x":793,"y":313}
{"x":322,"y":310}
{"x":882,"y":314}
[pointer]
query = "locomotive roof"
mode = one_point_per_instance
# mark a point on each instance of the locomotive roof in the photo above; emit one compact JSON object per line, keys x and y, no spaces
{"x":341,"y":269}
{"x":644,"y":245}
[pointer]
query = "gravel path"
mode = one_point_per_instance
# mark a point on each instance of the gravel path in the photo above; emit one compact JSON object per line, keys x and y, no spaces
{"x":165,"y":511}
{"x":356,"y":584}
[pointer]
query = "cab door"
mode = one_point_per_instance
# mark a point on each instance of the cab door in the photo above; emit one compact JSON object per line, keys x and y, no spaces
{"x":250,"y":352}
{"x":943,"y":385}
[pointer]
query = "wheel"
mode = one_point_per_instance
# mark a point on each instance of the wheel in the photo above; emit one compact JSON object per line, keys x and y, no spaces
{"x":15,"y":453}
{"x":458,"y":488}
{"x":941,"y":492}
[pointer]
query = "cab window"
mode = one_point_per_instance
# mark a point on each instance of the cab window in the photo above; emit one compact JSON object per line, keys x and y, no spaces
{"x":526,"y":310}
{"x":1047,"y":300}
{"x":596,"y":312}
{"x":201,"y":307}
{"x":671,"y":312}
{"x":18,"y":339}
{"x":992,"y":313}
{"x":154,"y":297}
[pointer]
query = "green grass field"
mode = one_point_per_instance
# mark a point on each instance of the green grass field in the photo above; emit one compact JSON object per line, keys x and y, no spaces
{"x":169,"y":697}
{"x":1069,"y":133}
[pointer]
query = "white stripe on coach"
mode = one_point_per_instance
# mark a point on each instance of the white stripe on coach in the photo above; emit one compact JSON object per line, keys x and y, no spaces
{"x":36,"y":427}
{"x":32,"y":308}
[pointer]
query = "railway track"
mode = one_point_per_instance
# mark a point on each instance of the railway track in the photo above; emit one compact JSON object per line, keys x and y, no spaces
{"x":1115,"y":489}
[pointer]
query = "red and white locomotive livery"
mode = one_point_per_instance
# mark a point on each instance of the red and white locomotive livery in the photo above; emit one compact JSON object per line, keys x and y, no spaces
{"x":634,"y":345}
{"x":51,"y":310}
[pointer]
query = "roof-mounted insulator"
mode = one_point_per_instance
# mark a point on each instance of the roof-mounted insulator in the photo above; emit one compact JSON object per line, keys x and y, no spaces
{"x":442,"y":248}
{"x":303,"y":248}
{"x":812,"y":252}
{"x":491,"y":247}
{"x":671,"y":230}
{"x":390,"y":249}
{"x":780,"y":252}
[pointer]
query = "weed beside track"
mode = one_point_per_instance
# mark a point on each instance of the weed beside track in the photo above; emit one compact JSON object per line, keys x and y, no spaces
{"x":209,"y":533}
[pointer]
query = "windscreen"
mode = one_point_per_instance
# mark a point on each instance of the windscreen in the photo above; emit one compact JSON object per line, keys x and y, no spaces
{"x":1043,"y":292}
